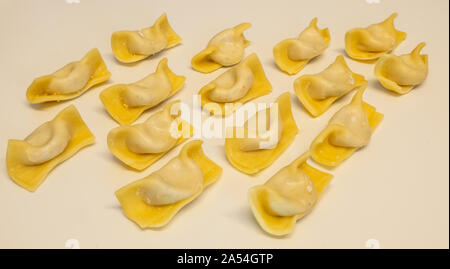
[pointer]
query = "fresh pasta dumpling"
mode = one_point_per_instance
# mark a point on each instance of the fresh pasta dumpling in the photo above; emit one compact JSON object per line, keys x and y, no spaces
{"x":142,"y":144}
{"x":224,"y":49}
{"x":292,"y":54}
{"x":29,"y":161}
{"x":349,"y":129}
{"x":126,"y":102}
{"x":370,"y":43}
{"x":287,"y":196}
{"x":401,"y":73}
{"x":70,"y":81}
{"x":252,"y":148}
{"x":133,"y":46}
{"x":154,"y":200}
{"x":236,"y":86}
{"x":318,"y":92}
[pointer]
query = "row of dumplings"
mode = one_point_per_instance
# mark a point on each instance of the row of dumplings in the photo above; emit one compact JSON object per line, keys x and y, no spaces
{"x":287,"y":196}
{"x":227,"y":48}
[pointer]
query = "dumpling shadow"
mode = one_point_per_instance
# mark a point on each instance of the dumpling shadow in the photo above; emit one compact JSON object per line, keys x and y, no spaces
{"x":46,"y":105}
{"x":344,"y":53}
{"x":106,"y":154}
{"x":294,"y":99}
{"x":322,"y":167}
{"x":245,"y":216}
{"x":375,"y":84}
{"x":159,"y":55}
{"x":50,"y":104}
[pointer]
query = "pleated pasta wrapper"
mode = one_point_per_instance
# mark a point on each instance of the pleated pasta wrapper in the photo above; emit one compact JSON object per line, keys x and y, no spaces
{"x":259,"y":87}
{"x":277,"y":225}
{"x":401,"y":74}
{"x":154,"y":216}
{"x":311,"y":43}
{"x":224,"y":49}
{"x":118,"y":137}
{"x":89,"y":71}
{"x":27,"y":171}
{"x":113,"y":97}
{"x":134,"y":46}
{"x":317,"y":106}
{"x":329,"y":154}
{"x":369,"y":44}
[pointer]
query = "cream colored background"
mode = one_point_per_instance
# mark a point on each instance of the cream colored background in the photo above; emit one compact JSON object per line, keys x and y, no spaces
{"x":396,"y":190}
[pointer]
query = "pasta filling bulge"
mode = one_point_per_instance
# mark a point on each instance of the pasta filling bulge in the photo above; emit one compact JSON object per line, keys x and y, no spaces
{"x":46,"y":142}
{"x":148,"y":91}
{"x":407,"y":69}
{"x":180,"y":178}
{"x":381,"y":37}
{"x":230,"y":45}
{"x":357,"y":131}
{"x":309,"y":44}
{"x":373,"y":41}
{"x":157,"y":134}
{"x":335,"y":80}
{"x":232,"y":85}
{"x":289,"y":192}
{"x":71,"y":78}
{"x":147,"y":41}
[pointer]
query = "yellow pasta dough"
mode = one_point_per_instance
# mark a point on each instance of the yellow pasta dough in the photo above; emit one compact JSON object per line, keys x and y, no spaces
{"x":319,"y":91}
{"x":287,"y":196}
{"x":133,"y":46}
{"x":370,"y":43}
{"x":126,"y":102}
{"x":153,"y":201}
{"x":252,"y":161}
{"x":140,"y":145}
{"x":235,"y":87}
{"x":224,"y":49}
{"x":70,"y":81}
{"x":292,"y":54}
{"x":29,"y":161}
{"x":349,"y":129}
{"x":401,"y":73}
